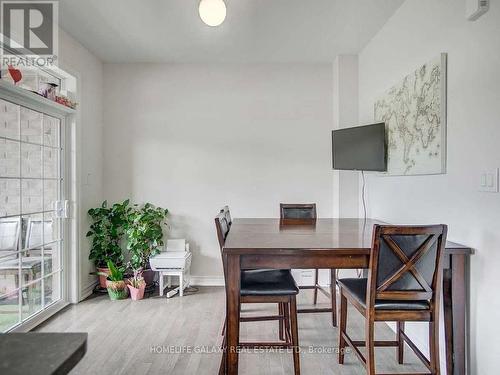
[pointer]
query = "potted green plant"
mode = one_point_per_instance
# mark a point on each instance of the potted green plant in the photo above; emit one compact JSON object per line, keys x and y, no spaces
{"x":107,"y":230}
{"x":117,"y":289}
{"x":136,"y":285}
{"x":144,"y":234}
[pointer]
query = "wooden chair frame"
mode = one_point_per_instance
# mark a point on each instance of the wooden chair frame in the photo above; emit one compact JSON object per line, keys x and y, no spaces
{"x":227,"y":215}
{"x":286,"y":317}
{"x":332,"y":293}
{"x":429,"y":292}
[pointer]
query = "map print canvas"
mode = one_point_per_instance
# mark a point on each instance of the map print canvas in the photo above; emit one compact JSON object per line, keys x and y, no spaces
{"x":414,"y":111}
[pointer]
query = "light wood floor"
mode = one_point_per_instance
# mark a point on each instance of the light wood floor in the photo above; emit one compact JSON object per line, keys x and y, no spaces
{"x":127,"y":337}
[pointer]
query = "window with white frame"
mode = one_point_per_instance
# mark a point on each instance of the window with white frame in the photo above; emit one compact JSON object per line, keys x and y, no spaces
{"x":32,"y":235}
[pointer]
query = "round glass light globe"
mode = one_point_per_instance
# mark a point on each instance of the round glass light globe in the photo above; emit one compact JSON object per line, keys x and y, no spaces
{"x":212,"y":12}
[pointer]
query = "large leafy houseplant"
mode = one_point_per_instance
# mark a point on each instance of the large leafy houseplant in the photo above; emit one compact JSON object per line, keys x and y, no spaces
{"x":144,"y":233}
{"x":106,"y":230}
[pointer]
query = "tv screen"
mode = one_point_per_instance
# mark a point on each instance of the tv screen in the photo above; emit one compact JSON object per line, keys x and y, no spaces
{"x":360,"y":148}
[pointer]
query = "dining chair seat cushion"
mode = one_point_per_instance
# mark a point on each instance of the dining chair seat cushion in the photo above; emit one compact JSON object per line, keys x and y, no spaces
{"x":357,"y":288}
{"x":267,"y":282}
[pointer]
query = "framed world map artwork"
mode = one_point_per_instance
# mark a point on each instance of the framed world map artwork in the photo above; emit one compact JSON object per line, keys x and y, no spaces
{"x":414,"y":111}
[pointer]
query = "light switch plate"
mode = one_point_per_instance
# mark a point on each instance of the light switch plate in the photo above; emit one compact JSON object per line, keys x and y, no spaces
{"x":488,"y":181}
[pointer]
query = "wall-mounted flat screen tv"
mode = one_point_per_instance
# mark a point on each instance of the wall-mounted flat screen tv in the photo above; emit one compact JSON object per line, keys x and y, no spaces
{"x":361,"y":148}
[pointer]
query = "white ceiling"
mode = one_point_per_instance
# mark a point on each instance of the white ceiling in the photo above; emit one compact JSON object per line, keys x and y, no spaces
{"x":254,"y":30}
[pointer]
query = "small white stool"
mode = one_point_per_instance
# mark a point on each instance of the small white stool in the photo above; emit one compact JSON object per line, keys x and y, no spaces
{"x":184,"y":278}
{"x":175,"y":261}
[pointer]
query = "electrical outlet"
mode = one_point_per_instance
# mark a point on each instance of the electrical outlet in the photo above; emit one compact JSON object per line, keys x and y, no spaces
{"x":489,"y":181}
{"x":476,"y":8}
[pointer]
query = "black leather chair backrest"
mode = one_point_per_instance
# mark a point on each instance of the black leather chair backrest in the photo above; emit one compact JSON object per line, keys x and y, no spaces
{"x":405,"y":263}
{"x":222,"y":228}
{"x":298,"y":211}
{"x":227,"y":215}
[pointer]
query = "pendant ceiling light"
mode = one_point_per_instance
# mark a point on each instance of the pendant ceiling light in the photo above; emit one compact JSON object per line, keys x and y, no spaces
{"x":212,"y":12}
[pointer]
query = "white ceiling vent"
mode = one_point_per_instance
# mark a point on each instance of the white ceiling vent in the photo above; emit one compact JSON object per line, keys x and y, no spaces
{"x":476,"y":8}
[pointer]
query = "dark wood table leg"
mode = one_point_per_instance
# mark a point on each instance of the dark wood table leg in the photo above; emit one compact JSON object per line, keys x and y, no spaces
{"x":333,"y":295}
{"x":232,"y":313}
{"x":455,"y":306}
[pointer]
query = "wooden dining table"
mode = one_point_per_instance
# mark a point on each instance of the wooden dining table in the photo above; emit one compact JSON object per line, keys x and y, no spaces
{"x":330,"y":243}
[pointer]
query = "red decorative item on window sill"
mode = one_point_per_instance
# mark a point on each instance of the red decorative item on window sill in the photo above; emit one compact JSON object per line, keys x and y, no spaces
{"x":66,"y":102}
{"x":15,"y":74}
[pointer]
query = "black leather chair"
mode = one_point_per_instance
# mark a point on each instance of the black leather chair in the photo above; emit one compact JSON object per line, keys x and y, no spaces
{"x":404,"y":284}
{"x":297,"y":211}
{"x":227,"y":215}
{"x":265,"y":286}
{"x":301,"y":214}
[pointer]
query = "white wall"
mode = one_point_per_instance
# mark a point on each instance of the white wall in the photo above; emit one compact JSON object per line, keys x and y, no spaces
{"x":419,"y":31}
{"x":345,"y":114}
{"x":195,"y":137}
{"x":78,"y":61}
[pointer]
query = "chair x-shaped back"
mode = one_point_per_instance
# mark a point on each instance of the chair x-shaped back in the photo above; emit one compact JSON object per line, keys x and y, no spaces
{"x":408,"y":265}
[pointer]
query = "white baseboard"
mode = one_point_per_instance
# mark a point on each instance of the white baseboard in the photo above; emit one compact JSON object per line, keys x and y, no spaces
{"x":219,"y":281}
{"x":207,"y":281}
{"x":195,"y":281}
{"x":87,"y":290}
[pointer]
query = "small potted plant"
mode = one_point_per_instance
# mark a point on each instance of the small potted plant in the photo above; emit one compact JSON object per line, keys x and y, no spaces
{"x":144,"y":233}
{"x":107,"y":230}
{"x":117,"y":289}
{"x":136,"y":285}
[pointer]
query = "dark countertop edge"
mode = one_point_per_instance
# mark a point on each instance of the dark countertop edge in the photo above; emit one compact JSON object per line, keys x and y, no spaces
{"x":74,"y":359}
{"x":62,"y":367}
